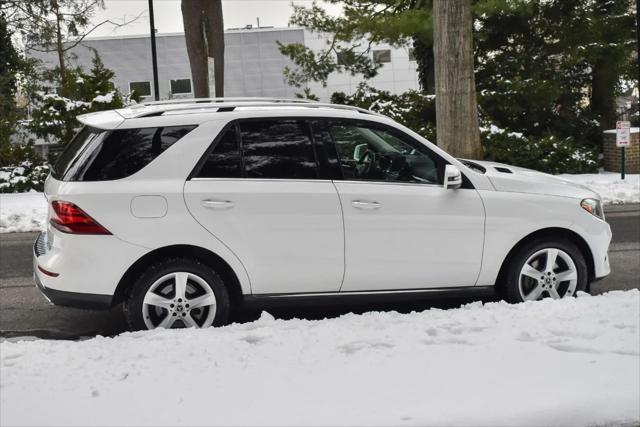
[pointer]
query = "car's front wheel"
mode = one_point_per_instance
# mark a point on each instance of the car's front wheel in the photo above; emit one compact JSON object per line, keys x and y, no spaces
{"x":546,"y":268}
{"x":177,"y":293}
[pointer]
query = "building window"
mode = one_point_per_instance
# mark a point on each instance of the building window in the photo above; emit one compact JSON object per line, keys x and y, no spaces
{"x":141,"y":88}
{"x":341,"y":58}
{"x":412,"y":54}
{"x":180,"y":86}
{"x":382,"y":56}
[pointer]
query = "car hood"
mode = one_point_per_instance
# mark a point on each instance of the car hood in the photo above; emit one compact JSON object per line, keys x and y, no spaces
{"x":521,"y":180}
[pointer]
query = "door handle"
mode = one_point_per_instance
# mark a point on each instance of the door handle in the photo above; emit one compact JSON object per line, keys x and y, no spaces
{"x":359,"y":204}
{"x":217,"y":204}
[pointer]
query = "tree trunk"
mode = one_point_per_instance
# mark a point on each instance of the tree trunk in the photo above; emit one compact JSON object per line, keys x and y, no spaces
{"x":60,"y":50}
{"x":192,"y":18}
{"x":214,"y":28}
{"x":204,"y":35}
{"x":603,"y":97}
{"x":456,"y":103}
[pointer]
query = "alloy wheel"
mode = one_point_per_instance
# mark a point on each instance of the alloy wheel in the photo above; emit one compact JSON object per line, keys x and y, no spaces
{"x":178,"y":300}
{"x":549,"y":272}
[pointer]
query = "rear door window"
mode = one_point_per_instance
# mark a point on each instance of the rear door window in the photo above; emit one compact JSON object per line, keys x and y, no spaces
{"x":96,"y":155}
{"x":278,"y":149}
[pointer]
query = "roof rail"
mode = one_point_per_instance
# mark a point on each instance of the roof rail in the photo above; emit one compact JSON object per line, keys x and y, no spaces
{"x":227,"y":106}
{"x":220,"y":100}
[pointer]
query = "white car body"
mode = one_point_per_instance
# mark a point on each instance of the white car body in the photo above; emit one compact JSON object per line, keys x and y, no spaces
{"x":285,"y":237}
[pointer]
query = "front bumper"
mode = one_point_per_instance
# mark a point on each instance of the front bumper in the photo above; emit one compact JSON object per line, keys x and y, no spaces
{"x":597,"y":234}
{"x":64,"y":298}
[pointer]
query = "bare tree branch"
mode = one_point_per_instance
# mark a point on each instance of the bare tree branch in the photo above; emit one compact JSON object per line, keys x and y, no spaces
{"x":106,"y":21}
{"x":77,"y":41}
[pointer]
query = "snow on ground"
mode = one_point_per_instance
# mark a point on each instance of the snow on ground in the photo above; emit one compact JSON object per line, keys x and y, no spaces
{"x":22,"y":212}
{"x":565,"y":362}
{"x":609,"y":186}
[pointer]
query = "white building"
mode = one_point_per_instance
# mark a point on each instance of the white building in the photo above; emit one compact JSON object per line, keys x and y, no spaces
{"x":253,"y":64}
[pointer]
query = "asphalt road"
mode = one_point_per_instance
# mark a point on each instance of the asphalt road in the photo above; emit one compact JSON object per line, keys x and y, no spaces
{"x":24,"y":312}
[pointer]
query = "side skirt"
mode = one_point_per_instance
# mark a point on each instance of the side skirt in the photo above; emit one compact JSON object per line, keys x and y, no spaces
{"x":358,"y":297}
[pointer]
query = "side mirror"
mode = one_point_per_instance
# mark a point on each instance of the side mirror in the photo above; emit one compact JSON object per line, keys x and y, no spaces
{"x":452,"y":177}
{"x":358,"y":151}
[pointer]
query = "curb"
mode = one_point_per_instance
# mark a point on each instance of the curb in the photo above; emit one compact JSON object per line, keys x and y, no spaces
{"x":623,"y":207}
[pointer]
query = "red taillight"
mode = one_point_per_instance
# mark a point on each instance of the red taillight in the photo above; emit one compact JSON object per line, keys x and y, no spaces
{"x":69,"y":218}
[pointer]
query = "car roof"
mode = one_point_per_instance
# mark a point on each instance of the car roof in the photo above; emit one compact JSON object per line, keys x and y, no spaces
{"x":204,"y":109}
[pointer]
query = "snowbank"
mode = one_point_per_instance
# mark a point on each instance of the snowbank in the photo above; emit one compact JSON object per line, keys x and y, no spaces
{"x":611,"y":188}
{"x":565,"y":362}
{"x":22,"y":212}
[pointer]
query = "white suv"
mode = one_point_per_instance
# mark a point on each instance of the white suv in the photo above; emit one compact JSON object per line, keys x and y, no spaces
{"x":183,"y":210}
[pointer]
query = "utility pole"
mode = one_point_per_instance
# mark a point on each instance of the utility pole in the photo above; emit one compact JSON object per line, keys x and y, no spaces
{"x":638,"y":40}
{"x":154,"y":58}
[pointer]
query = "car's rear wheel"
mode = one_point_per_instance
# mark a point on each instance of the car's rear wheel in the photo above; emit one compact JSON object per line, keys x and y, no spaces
{"x":546,"y":269}
{"x":177,"y":293}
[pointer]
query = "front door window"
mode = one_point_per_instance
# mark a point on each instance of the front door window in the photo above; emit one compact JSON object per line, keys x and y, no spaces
{"x":377,"y":154}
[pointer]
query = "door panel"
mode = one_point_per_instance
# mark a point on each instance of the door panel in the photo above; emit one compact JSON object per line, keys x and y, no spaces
{"x":410,"y":236}
{"x":288,"y":234}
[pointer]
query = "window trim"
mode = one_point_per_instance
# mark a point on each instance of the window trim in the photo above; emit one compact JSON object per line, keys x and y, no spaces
{"x":320,"y":174}
{"x":330,"y":152}
{"x":466,"y":183}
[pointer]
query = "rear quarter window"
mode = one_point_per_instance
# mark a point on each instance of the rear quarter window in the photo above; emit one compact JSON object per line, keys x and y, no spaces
{"x":97,"y":155}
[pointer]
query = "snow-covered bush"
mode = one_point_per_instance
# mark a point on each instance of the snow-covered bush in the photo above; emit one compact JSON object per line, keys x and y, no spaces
{"x":25,"y":177}
{"x":54,"y":116}
{"x":547,"y":154}
{"x":16,"y":153}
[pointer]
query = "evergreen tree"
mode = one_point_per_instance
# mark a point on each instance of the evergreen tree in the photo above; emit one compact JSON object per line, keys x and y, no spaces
{"x":363,"y":23}
{"x":56,"y":26}
{"x":10,"y":64}
{"x":553,"y":67}
{"x":54,"y":118}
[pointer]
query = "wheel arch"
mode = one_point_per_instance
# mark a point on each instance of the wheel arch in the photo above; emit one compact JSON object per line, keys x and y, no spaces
{"x":550,"y":233}
{"x":205,"y":256}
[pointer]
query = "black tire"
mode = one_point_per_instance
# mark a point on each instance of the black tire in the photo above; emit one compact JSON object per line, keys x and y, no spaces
{"x":510,"y":282}
{"x":133,"y":304}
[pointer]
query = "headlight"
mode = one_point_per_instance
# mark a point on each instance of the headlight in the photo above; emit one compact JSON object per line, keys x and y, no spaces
{"x":593,"y":206}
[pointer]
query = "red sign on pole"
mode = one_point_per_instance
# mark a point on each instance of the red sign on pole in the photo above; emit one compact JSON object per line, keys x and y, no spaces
{"x":623,"y":133}
{"x":623,"y":139}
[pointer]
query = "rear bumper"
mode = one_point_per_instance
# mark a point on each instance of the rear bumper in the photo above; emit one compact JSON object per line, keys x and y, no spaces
{"x":73,"y":299}
{"x":74,"y":276}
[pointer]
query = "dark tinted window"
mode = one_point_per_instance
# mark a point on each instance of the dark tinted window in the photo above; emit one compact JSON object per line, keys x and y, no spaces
{"x":141,"y":88}
{"x":381,"y":56}
{"x":373,"y":153}
{"x":180,"y":86}
{"x":73,"y":150}
{"x":224,"y":161}
{"x":108,"y":155}
{"x":278,"y":149}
